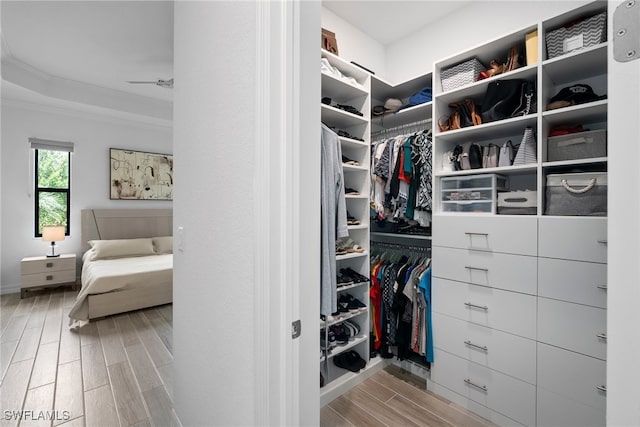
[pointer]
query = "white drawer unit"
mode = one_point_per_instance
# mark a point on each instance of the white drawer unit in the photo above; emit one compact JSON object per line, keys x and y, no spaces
{"x":475,"y":193}
{"x":505,"y":271}
{"x":509,"y":396}
{"x":558,"y":410}
{"x":574,"y":376}
{"x":572,"y":326}
{"x":500,"y":351}
{"x":512,"y":235}
{"x":573,"y":281}
{"x":506,"y":311}
{"x":42,"y":271}
{"x":574,"y":238}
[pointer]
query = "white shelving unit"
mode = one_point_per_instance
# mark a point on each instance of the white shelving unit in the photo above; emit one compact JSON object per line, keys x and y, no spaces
{"x":338,"y":380}
{"x":519,"y":301}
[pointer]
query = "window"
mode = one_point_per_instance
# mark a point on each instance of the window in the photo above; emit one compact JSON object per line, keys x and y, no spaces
{"x":52,"y":184}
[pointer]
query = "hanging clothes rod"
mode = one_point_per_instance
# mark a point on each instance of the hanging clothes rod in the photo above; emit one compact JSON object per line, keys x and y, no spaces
{"x":400,"y":247}
{"x":399,"y":130}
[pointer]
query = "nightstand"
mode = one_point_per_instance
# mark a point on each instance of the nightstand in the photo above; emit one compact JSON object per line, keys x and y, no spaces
{"x":43,"y":272}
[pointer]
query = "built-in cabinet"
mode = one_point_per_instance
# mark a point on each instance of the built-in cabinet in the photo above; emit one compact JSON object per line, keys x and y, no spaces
{"x":519,"y":301}
{"x":349,"y":87}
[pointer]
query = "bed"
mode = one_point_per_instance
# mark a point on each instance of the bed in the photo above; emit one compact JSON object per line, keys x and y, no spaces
{"x":127,"y":262}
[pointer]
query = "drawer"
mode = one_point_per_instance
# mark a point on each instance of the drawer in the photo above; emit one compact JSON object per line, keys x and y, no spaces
{"x":50,"y":278}
{"x":573,"y":326}
{"x":558,"y":410}
{"x":502,"y":310}
{"x":513,"y":235}
{"x":579,"y":239}
{"x":500,"y":351}
{"x":574,"y":281}
{"x":573,"y":376}
{"x":504,"y":394}
{"x":505,"y":271}
{"x":42,"y":264}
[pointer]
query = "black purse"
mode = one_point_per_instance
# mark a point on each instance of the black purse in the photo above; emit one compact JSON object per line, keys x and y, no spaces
{"x":508,"y":98}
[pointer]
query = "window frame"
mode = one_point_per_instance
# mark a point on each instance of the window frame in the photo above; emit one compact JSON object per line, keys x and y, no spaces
{"x":38,"y":190}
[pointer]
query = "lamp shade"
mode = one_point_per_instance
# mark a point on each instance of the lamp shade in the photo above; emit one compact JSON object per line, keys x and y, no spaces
{"x":53,"y":233}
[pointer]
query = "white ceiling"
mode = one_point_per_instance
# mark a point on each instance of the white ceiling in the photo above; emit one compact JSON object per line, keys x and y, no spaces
{"x":84,"y":52}
{"x":388,"y":21}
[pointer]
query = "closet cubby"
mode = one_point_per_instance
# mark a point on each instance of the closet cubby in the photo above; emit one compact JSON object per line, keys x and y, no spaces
{"x":476,"y":285}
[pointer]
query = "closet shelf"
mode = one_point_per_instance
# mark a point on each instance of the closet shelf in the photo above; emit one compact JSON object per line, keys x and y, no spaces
{"x":342,"y":348}
{"x":346,"y":67}
{"x":355,"y":168}
{"x":343,"y":317}
{"x":340,"y":118}
{"x":405,"y":116}
{"x":355,"y":285}
{"x":358,"y":227}
{"x":352,"y":143}
{"x":493,"y":130}
{"x":407,"y":237}
{"x":341,"y":90}
{"x":505,"y":170}
{"x":356,"y":197}
{"x":351,"y":256}
{"x":575,"y":162}
{"x":577,"y":65}
{"x":583,"y":113}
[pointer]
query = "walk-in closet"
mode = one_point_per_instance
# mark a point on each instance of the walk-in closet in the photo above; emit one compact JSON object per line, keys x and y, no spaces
{"x":473,"y":167}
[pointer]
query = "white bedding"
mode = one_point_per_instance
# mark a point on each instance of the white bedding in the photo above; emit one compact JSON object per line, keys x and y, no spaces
{"x":106,"y":275}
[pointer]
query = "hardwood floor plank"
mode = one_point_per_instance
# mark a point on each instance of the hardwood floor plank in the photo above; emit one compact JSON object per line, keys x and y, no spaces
{"x":416,"y":413}
{"x":45,"y":366}
{"x":8,"y":300}
{"x":111,"y":343}
{"x":7,"y":309}
{"x":6,"y":353}
{"x":377,"y":409}
{"x":100,"y":408}
{"x":156,"y":349}
{"x":377,"y":390}
{"x":28,"y":345}
{"x":69,"y":298}
{"x":40,"y":401}
{"x":160,"y":407}
{"x":53,"y":321}
{"x":89,"y":334}
{"x":127,"y":331}
{"x":166,"y":311}
{"x":330,"y":418}
{"x":162,"y":328}
{"x":166,"y":375}
{"x":69,"y":345}
{"x":14,"y":328}
{"x":143,"y":423}
{"x":427,"y":400}
{"x":13,"y":390}
{"x":143,"y":368}
{"x":127,"y":397}
{"x":24,"y":306}
{"x":355,"y":414}
{"x":69,"y":394}
{"x":94,"y":370}
{"x":76,"y":422}
{"x":39,"y":312}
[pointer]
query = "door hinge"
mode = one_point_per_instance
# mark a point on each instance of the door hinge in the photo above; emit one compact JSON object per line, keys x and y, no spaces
{"x":296,"y":327}
{"x":626,"y":31}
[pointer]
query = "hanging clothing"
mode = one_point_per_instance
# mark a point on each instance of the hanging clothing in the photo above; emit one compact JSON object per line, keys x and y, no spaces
{"x":333,"y":216}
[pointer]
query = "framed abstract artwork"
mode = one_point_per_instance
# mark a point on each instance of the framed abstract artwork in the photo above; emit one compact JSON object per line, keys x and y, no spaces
{"x":138,"y":175}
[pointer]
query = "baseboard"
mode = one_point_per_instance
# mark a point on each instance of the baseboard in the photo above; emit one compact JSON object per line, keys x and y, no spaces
{"x":9,"y":289}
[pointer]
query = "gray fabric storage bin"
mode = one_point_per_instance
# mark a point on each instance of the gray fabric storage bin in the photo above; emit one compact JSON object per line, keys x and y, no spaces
{"x":581,"y":145}
{"x":577,"y":194}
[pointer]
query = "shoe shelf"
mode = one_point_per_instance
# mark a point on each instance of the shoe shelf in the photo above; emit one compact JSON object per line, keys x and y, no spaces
{"x":344,"y":347}
{"x":340,"y":118}
{"x":352,"y":255}
{"x":340,"y":90}
{"x":352,"y":143}
{"x":341,"y":380}
{"x":343,"y":317}
{"x":352,"y":168}
{"x":351,"y":286}
{"x":358,"y":227}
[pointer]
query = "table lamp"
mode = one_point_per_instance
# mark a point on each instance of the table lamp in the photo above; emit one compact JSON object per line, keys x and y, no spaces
{"x":53,"y":234}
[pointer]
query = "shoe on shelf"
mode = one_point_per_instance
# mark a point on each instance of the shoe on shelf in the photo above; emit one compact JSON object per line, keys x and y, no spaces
{"x":343,"y":280}
{"x":346,"y":361}
{"x":341,"y":334}
{"x":328,"y":342}
{"x":351,"y":192}
{"x":353,"y":328}
{"x":353,"y":275}
{"x":348,"y":161}
{"x":353,"y":305}
{"x":351,"y":220}
{"x":347,"y":245}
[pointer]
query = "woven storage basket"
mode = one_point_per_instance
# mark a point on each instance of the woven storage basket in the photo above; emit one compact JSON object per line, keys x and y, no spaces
{"x":462,"y":74}
{"x":588,"y":32}
{"x":577,"y":194}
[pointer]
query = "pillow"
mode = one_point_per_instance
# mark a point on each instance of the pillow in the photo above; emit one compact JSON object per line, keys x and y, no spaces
{"x":121,"y":248}
{"x":163,"y":245}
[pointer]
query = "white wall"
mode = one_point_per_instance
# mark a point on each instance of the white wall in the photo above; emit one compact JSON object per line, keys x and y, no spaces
{"x":354,"y":45}
{"x":475,"y":24}
{"x":92,"y":135}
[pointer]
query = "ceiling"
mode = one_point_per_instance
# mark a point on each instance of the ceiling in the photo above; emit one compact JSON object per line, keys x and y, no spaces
{"x":389,"y":21}
{"x":83,"y":52}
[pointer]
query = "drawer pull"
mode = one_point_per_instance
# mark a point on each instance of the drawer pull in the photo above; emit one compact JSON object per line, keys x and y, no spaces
{"x":470,"y":267}
{"x":602,"y":336}
{"x":49,"y":277}
{"x":475,"y":234}
{"x":604,"y":287}
{"x":604,"y":242}
{"x":470,"y":344}
{"x":481,"y":387}
{"x":602,"y":388}
{"x":49,"y":264}
{"x":481,"y":307}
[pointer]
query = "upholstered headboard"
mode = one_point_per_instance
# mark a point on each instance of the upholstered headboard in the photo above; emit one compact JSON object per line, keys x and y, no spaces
{"x":103,"y":224}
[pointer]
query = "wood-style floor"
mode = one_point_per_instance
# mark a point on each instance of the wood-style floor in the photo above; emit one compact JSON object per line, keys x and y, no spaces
{"x":115,"y":372}
{"x":393,"y":397}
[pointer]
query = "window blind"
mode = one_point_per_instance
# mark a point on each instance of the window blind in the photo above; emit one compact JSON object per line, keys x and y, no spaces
{"x":47,"y":144}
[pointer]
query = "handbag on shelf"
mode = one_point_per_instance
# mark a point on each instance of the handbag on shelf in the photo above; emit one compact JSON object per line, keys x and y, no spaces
{"x":471,"y":156}
{"x":465,"y":113}
{"x":507,"y":98}
{"x":527,"y":150}
{"x":505,"y":158}
{"x":456,"y":157}
{"x":490,"y":154}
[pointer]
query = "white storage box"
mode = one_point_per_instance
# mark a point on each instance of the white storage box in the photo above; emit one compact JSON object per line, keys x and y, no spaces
{"x":521,"y":202}
{"x":577,"y":194}
{"x":588,"y":32}
{"x":461,"y":74}
{"x":473,"y":193}
{"x":581,"y":145}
